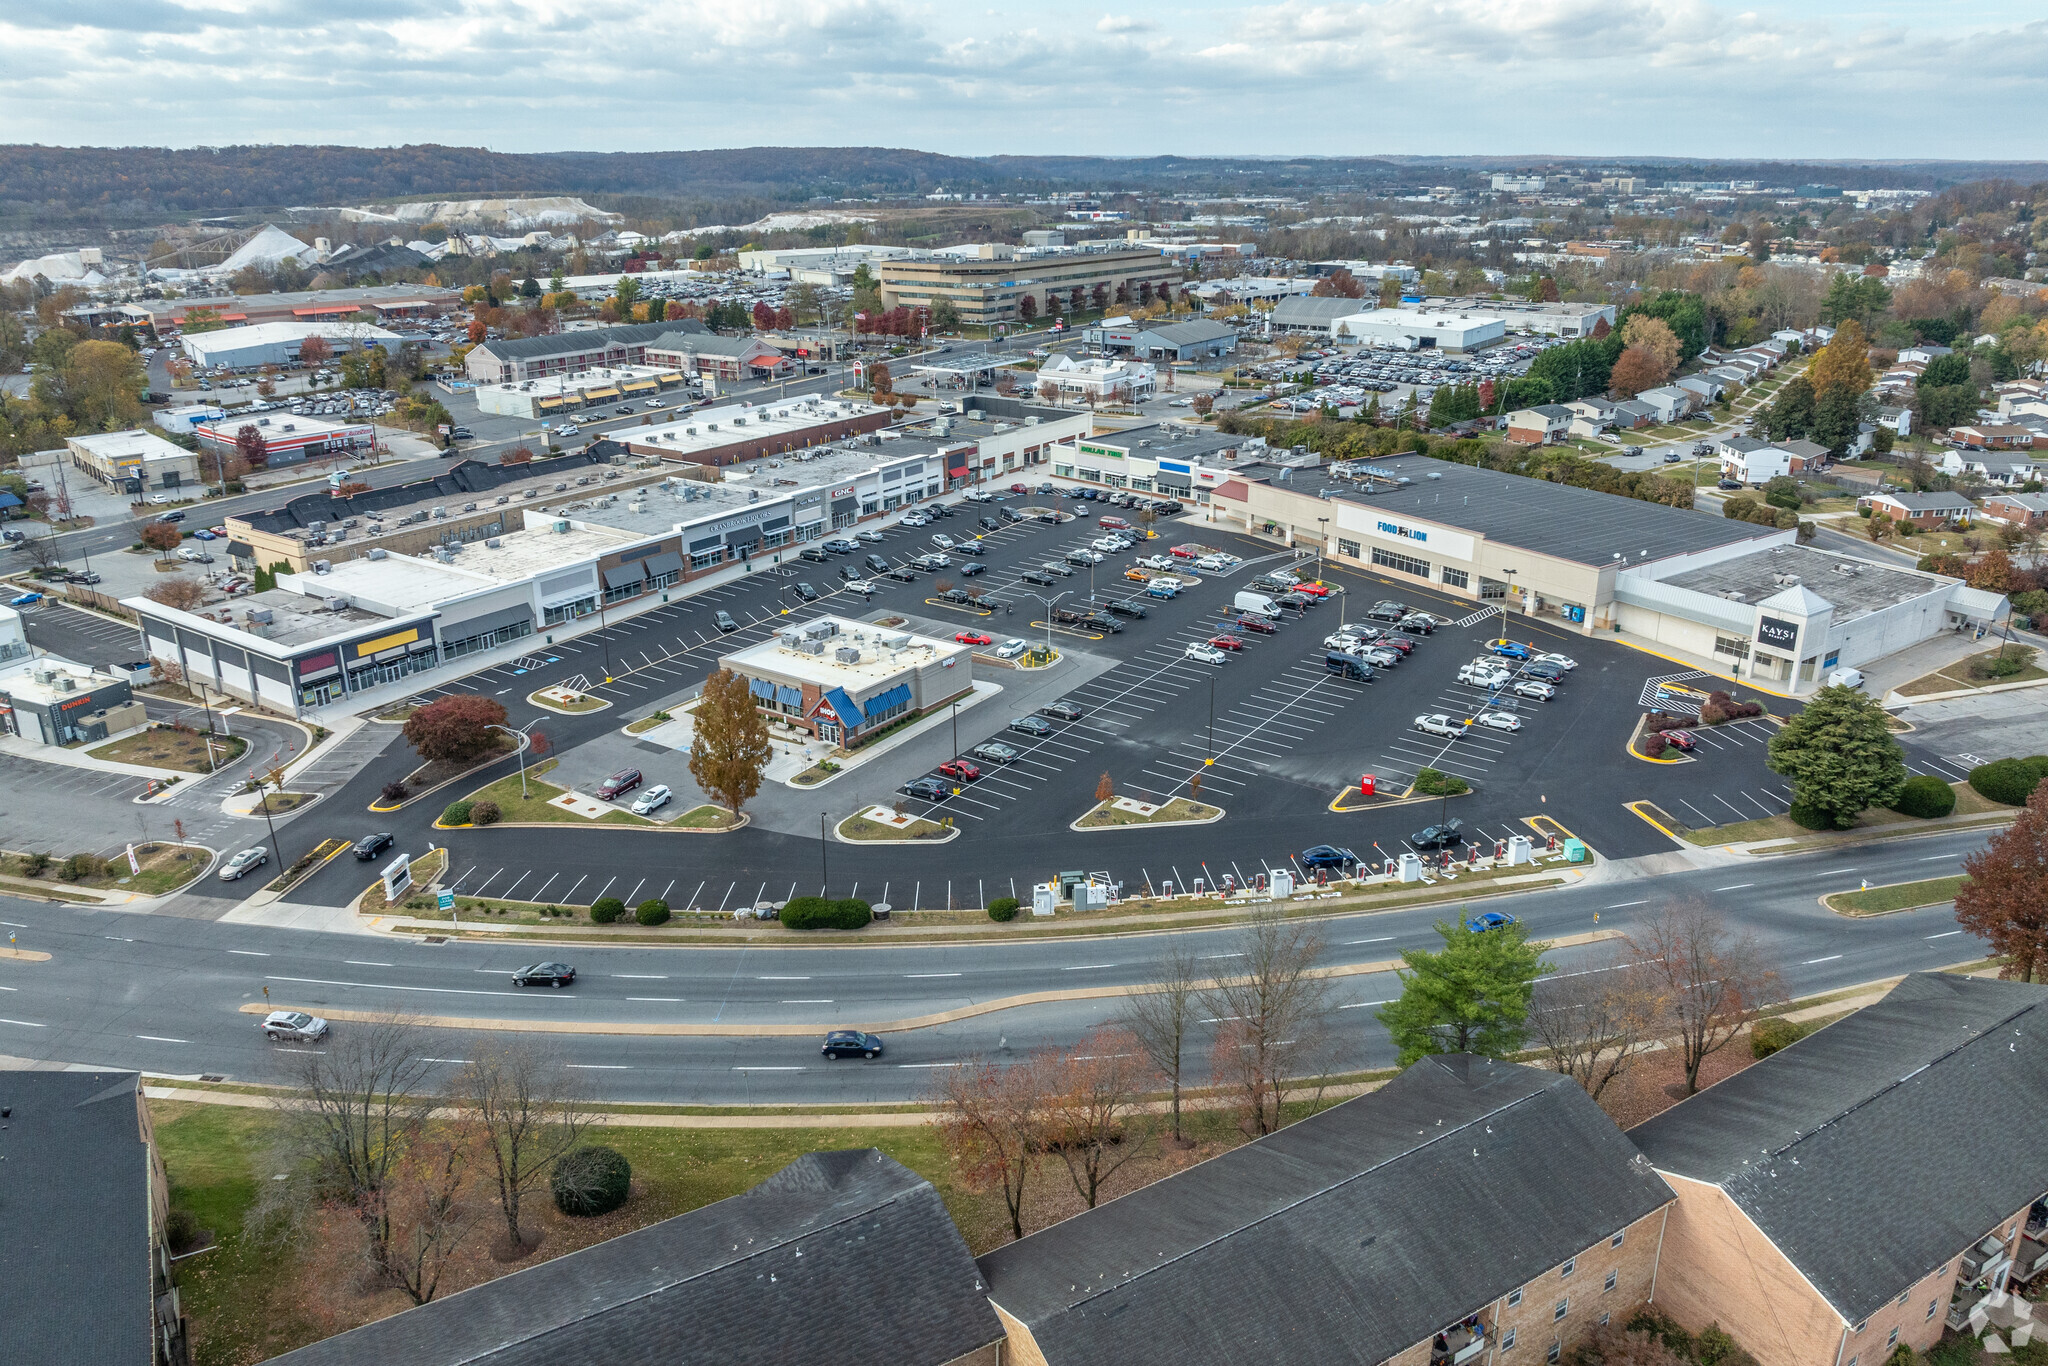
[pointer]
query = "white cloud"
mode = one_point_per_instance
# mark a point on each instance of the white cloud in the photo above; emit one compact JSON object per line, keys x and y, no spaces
{"x":1431,"y":76}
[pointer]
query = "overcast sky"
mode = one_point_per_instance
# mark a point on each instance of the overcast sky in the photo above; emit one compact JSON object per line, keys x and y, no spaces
{"x":1781,"y":78}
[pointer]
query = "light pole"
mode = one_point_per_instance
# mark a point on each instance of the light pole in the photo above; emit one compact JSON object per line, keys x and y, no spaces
{"x":519,"y":735}
{"x":1212,"y":722}
{"x":263,"y":800}
{"x":956,"y":727}
{"x":1505,"y":599}
{"x":1049,"y":605}
{"x":824,"y":842}
{"x":1322,"y":540}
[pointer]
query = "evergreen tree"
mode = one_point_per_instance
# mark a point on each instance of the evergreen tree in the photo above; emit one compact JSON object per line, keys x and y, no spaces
{"x":1840,"y":756}
{"x":1472,"y":996}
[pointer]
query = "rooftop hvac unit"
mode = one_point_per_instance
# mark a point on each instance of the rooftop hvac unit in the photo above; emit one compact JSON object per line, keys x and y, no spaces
{"x":636,"y":508}
{"x":1031,"y":422}
{"x":440,"y":513}
{"x":813,"y":647}
{"x":561,"y":527}
{"x":975,"y":415}
{"x":261,"y":615}
{"x":316,"y":527}
{"x":491,"y":544}
{"x":66,"y":683}
{"x":337,"y":604}
{"x":895,"y":642}
{"x":846,"y":654}
{"x":321,"y":566}
{"x":441,"y":555}
{"x":792,"y":639}
{"x":820,"y":629}
{"x":469,"y":507}
{"x":377,"y":552}
{"x":753,"y":495}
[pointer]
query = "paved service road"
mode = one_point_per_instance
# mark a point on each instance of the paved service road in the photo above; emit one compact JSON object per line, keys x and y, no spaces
{"x":164,"y":994}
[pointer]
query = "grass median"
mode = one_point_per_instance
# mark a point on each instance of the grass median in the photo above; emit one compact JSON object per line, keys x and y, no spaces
{"x":170,"y":747}
{"x":1899,"y":896}
{"x":533,"y":805}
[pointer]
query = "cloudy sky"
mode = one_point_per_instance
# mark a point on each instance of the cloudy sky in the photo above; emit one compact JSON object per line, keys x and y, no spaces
{"x":1810,"y":78}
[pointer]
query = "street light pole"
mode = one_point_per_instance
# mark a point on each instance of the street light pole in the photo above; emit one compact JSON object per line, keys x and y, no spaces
{"x":824,"y":842}
{"x":1322,"y":540}
{"x":520,"y":733}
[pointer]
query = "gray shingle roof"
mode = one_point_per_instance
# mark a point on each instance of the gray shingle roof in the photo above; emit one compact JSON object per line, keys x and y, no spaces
{"x":1928,"y":502}
{"x":75,"y":1222}
{"x":703,"y":344}
{"x":589,"y":339}
{"x":1879,"y":1148}
{"x":1342,"y":1239}
{"x":845,"y":1257}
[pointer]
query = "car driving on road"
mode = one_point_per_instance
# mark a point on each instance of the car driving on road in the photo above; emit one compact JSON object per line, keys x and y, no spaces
{"x":241,"y":863}
{"x":544,"y":975}
{"x":851,"y":1043}
{"x":295,"y":1025}
{"x":1489,"y":920}
{"x":368,"y":846}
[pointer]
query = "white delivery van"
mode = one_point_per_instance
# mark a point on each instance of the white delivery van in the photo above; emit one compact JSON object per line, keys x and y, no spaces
{"x":1846,"y":678}
{"x":1259,"y":605}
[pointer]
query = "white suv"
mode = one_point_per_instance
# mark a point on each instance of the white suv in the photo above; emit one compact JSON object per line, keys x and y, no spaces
{"x":295,"y":1025}
{"x":1478,"y":677}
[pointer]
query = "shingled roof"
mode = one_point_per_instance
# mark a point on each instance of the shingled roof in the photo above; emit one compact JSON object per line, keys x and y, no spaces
{"x":1347,"y":1237}
{"x":1878,"y":1148}
{"x":845,"y":1257}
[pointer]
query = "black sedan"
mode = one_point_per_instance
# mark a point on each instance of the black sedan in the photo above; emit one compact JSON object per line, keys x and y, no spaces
{"x":1439,"y":836}
{"x":971,"y":568}
{"x":805,"y":591}
{"x":1387,"y":611}
{"x":927,"y":789}
{"x":1062,"y":711}
{"x":544,"y":975}
{"x":1327,"y":856}
{"x":851,"y":1043}
{"x":369,"y":846}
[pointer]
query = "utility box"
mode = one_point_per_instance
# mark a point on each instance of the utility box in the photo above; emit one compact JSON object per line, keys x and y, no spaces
{"x":1045,"y":898}
{"x":1410,"y":868}
{"x":1574,"y":851}
{"x":1368,"y":785}
{"x":1520,"y":850}
{"x":1090,"y":896}
{"x":1283,"y":884}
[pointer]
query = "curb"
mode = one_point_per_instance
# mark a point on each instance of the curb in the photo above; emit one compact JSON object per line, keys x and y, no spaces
{"x":533,"y":699}
{"x":524,"y":744}
{"x":652,"y":828}
{"x":1080,"y":829}
{"x":951,"y":834}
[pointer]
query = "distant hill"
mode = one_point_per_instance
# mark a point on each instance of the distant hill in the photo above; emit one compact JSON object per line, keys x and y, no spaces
{"x":130,"y":182}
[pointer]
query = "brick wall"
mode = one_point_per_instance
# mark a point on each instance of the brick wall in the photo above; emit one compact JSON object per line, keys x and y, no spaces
{"x":1718,"y":1267}
{"x":1584,"y":1292}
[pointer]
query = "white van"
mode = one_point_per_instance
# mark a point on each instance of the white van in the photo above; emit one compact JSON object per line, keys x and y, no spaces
{"x":1846,"y":678}
{"x":1258,"y":604}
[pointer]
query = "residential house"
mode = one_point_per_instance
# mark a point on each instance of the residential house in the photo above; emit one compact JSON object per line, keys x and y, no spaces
{"x":1633,"y":415}
{"x":2017,"y":509}
{"x":1708,"y":387}
{"x":844,"y":1257}
{"x":1468,"y":1210}
{"x":1542,"y":425}
{"x":85,"y":1273}
{"x":1899,"y":419}
{"x":1925,"y":511}
{"x":1992,"y":436}
{"x":1593,"y":409}
{"x":1923,"y":354}
{"x":1866,"y":1187}
{"x":1753,"y":461}
{"x":1668,"y":403}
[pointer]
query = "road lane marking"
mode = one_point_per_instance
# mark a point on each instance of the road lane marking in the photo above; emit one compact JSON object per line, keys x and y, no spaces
{"x":1383,"y":939}
{"x":25,"y":1024}
{"x":464,"y":1062}
{"x":782,"y":979}
{"x":759,"y":1068}
{"x":387,"y":986}
{"x":598,"y":1066}
{"x":1620,"y":904}
{"x":1087,"y":967}
{"x":1832,"y":872}
{"x":1829,"y":959}
{"x":1207,"y":956}
{"x":158,"y":1038}
{"x":641,"y":976}
{"x":249,"y":953}
{"x":362,"y":963}
{"x":669,"y":999}
{"x":1736,"y":887}
{"x":930,"y":974}
{"x":810,"y":1001}
{"x":1357,"y":1004}
{"x":1943,"y":935}
{"x":1934,"y":858}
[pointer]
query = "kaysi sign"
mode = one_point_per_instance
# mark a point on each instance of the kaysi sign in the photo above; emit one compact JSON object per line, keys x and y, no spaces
{"x":1779,"y":635}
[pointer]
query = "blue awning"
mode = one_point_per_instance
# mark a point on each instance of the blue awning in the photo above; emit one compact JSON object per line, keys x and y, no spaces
{"x":761,"y":687}
{"x":789,"y":696}
{"x":843,"y":707}
{"x":893,"y":697}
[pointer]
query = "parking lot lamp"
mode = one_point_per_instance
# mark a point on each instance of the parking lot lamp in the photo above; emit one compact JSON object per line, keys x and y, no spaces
{"x":1212,"y":722}
{"x":519,"y":738}
{"x":956,"y":728}
{"x":824,"y":842}
{"x":1322,"y":541}
{"x":1505,"y":599}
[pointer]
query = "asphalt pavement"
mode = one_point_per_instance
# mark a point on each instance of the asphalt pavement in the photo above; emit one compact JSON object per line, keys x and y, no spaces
{"x":165,"y":994}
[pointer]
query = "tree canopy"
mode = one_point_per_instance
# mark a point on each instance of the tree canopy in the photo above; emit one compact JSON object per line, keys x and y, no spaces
{"x":1840,"y":756}
{"x":1472,"y":996}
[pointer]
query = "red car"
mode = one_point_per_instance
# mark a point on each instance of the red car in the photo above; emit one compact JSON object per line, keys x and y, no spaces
{"x":960,"y":769}
{"x":1314,"y":590}
{"x":1018,"y":488}
{"x":1681,"y":740}
{"x":1227,"y":642}
{"x":1113,"y":523}
{"x":1259,"y":624}
{"x":1400,"y":643}
{"x":1182,"y":552}
{"x":974,"y":638}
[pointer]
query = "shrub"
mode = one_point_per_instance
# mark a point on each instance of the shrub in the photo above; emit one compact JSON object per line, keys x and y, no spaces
{"x":1864,"y":511}
{"x":1431,"y":782}
{"x":818,"y":913}
{"x":36,"y":864}
{"x":80,"y":866}
{"x":458,"y":813}
{"x":591,"y":1180}
{"x":181,"y":1230}
{"x":394,"y":793}
{"x":1925,"y":796}
{"x":606,"y":909}
{"x":1654,"y":744}
{"x":1003,"y":908}
{"x":653,"y":911}
{"x":2001,"y":665}
{"x":1811,"y":818}
{"x":1768,"y":1036}
{"x":2008,"y":781}
{"x":485,"y":813}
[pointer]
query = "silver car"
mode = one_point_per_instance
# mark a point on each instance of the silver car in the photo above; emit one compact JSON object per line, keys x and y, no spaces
{"x":232,"y":870}
{"x":295,"y":1025}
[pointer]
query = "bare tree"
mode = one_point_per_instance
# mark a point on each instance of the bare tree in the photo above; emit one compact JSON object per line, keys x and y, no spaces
{"x":429,"y":1205}
{"x":1094,"y":1115}
{"x":1160,"y":1016}
{"x":361,"y":1103}
{"x":42,"y":551}
{"x":992,"y":1119}
{"x":1594,"y":1023}
{"x":1275,"y":1017}
{"x":528,"y":1112}
{"x":1713,"y":982}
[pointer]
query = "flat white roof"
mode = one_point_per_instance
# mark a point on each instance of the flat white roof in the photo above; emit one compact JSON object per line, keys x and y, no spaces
{"x":882,"y":657}
{"x":129,"y":445}
{"x":404,"y":583}
{"x":278,"y":422}
{"x":520,"y":555}
{"x":743,"y":422}
{"x":581,"y":381}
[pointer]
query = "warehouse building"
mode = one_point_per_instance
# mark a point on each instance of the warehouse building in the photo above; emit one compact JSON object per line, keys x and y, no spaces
{"x":1192,"y":340}
{"x":845,"y":681}
{"x":511,"y":359}
{"x":1732,"y":595}
{"x":989,"y":289}
{"x":385,"y":303}
{"x":1311,"y":316}
{"x":1420,"y":328}
{"x":279,"y":343}
{"x":565,"y":395}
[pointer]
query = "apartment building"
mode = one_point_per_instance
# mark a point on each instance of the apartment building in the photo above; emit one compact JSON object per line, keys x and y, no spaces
{"x":1469,"y":1210}
{"x":991,"y":289}
{"x":1868,"y":1186}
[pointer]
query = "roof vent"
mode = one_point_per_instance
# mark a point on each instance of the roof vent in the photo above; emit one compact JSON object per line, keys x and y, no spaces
{"x":377,"y":552}
{"x":492,"y":544}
